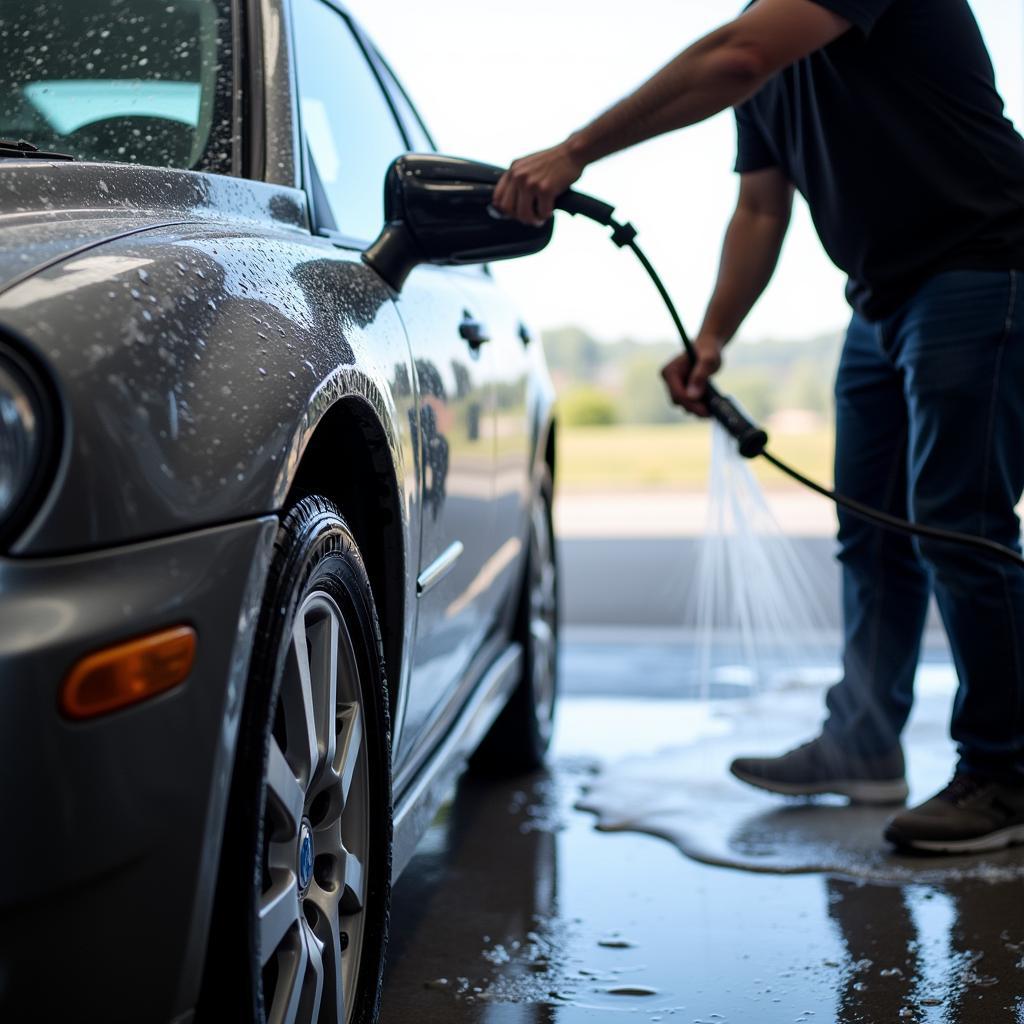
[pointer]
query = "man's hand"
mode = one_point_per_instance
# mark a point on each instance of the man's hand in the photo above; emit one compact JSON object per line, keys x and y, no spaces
{"x":529,"y":188}
{"x":686,"y":385}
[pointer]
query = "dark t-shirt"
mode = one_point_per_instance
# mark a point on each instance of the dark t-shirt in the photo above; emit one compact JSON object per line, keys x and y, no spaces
{"x":895,"y":135}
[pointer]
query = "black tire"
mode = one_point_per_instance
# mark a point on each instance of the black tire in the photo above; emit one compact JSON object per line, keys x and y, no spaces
{"x":518,"y":741}
{"x":316,"y":577}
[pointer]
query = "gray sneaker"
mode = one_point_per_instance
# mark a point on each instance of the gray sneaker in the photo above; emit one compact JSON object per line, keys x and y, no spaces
{"x":970,"y":815}
{"x":822,"y":766}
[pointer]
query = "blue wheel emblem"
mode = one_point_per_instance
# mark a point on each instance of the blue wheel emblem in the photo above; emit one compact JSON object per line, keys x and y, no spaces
{"x":305,"y":856}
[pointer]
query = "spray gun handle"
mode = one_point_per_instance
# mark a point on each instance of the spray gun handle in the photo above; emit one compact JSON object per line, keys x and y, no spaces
{"x":750,"y":438}
{"x":579,"y":203}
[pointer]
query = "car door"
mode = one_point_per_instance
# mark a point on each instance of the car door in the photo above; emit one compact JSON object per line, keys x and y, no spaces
{"x":352,"y":133}
{"x":457,"y":451}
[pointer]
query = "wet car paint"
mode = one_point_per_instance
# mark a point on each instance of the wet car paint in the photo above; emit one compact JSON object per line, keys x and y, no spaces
{"x":586,"y":925}
{"x":94,"y":803}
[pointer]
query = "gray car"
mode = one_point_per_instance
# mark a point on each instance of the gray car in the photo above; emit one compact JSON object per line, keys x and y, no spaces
{"x":276,"y":554}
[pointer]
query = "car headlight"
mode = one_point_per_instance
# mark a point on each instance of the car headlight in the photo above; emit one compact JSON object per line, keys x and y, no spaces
{"x":22,"y":437}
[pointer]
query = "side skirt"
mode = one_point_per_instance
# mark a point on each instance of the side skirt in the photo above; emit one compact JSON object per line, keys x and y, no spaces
{"x":417,"y":808}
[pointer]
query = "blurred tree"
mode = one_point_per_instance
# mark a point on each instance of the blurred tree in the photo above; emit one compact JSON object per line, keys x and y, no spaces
{"x":573,"y":353}
{"x":586,"y":406}
{"x":644,"y":398}
{"x":756,"y":387}
{"x":806,"y":387}
{"x":766,"y":376}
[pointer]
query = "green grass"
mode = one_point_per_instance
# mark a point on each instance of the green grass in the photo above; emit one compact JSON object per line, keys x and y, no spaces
{"x":638,"y":457}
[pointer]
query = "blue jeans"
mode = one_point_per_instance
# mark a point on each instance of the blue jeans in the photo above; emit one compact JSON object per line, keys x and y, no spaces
{"x":930,"y":424}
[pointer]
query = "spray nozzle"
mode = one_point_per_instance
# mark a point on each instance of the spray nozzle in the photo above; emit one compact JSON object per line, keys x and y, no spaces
{"x":750,"y":438}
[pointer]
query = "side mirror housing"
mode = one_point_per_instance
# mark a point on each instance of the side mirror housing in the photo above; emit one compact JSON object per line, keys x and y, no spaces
{"x":437,"y":209}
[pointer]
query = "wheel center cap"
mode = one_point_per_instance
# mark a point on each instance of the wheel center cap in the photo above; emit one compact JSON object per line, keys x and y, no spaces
{"x":305,"y":856}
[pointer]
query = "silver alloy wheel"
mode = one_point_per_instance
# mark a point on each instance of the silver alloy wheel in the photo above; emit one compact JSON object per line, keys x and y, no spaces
{"x":543,"y":616}
{"x":317,"y":826}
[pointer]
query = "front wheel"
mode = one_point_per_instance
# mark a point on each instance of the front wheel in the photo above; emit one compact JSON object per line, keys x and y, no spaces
{"x":519,"y":739}
{"x":301,"y":922}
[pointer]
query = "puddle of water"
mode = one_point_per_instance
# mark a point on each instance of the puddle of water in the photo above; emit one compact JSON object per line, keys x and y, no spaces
{"x":685,"y":794}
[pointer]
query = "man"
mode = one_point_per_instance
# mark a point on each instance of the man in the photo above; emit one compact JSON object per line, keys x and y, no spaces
{"x":885,"y":115}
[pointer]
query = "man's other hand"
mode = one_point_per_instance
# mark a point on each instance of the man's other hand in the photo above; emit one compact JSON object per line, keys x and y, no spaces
{"x":528,"y":189}
{"x":686,"y":384}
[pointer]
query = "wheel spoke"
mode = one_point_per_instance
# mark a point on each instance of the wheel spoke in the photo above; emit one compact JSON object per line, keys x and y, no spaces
{"x":297,"y":699}
{"x":287,"y":999}
{"x":547,"y":585}
{"x":327,"y":839}
{"x":543,"y":618}
{"x":350,"y":741}
{"x":284,"y":788}
{"x":322,"y":636}
{"x":313,"y":981}
{"x":328,"y":932}
{"x":278,"y":911}
{"x":353,"y":883}
{"x":543,"y":636}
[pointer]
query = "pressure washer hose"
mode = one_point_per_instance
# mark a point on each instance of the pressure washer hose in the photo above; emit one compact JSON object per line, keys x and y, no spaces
{"x":751,"y":439}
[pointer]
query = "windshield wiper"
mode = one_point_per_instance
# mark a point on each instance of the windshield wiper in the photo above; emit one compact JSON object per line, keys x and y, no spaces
{"x":22,"y":150}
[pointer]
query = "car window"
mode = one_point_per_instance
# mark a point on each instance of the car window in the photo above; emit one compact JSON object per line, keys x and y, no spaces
{"x":137,"y":81}
{"x":347,"y":121}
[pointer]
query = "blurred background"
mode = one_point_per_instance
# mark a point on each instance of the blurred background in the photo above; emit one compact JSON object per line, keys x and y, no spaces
{"x":497,"y":81}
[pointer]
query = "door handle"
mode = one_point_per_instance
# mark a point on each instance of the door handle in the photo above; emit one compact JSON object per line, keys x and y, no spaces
{"x":472,"y":331}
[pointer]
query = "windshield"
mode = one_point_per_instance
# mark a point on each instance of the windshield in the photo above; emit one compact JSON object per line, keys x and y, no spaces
{"x":130,"y":81}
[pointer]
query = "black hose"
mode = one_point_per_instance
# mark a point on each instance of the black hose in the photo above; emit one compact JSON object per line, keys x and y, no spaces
{"x":752,"y":440}
{"x":894,"y":523}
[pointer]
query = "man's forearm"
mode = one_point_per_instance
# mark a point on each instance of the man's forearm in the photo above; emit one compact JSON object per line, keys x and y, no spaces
{"x":710,"y":76}
{"x":719,"y":71}
{"x":750,"y":254}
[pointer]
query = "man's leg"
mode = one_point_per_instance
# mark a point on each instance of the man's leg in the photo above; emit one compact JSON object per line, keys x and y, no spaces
{"x":885,"y":599}
{"x":885,"y":587}
{"x":960,"y":345}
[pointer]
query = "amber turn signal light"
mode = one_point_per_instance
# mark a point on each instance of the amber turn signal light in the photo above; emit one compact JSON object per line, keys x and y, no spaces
{"x":128,"y":673}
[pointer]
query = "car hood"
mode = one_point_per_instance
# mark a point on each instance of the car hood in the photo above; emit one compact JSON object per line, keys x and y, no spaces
{"x":49,"y":211}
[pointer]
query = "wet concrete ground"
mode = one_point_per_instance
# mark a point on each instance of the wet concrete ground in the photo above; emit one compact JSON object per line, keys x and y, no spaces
{"x":516,"y":909}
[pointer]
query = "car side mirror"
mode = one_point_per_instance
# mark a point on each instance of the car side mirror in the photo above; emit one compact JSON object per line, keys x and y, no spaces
{"x":437,"y":209}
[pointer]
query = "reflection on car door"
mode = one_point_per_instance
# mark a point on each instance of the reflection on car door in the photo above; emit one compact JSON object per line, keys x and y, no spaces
{"x":456,"y":434}
{"x":506,"y":368}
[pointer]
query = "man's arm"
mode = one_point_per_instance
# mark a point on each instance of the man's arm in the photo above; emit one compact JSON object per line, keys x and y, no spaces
{"x":750,"y":254}
{"x":721,"y":70}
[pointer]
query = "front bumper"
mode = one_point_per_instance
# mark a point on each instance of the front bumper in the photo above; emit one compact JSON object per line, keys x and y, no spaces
{"x":111,"y":827}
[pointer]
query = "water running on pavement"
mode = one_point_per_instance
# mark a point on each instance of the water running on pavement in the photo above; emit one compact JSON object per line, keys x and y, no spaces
{"x":683,"y":792}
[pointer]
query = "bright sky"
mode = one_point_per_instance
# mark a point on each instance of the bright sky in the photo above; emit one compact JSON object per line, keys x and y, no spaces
{"x":497,"y":80}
